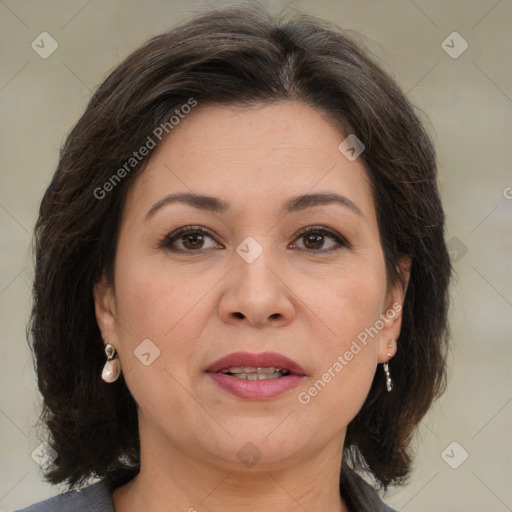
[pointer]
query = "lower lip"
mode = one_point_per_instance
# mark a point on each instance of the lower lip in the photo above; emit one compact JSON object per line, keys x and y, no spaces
{"x":256,"y":389}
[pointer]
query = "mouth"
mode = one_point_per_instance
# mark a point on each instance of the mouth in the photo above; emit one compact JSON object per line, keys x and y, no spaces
{"x":251,"y":373}
{"x":256,"y":376}
{"x":250,"y":366}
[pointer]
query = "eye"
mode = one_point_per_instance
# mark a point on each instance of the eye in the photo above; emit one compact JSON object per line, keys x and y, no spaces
{"x":314,"y":240}
{"x":188,"y":239}
{"x":194,"y":239}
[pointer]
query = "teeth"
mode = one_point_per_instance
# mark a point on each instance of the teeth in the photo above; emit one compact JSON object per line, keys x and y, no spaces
{"x":250,"y":373}
{"x":256,"y":376}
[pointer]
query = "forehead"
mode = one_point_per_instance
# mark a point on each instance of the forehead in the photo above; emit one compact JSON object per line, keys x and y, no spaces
{"x":256,"y":154}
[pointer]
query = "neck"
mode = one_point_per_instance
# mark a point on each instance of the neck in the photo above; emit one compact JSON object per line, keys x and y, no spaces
{"x":171,"y":479}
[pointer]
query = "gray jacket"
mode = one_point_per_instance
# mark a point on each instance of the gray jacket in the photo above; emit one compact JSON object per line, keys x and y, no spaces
{"x":97,"y":498}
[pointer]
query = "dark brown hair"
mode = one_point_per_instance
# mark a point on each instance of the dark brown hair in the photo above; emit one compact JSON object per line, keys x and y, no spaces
{"x":233,"y":56}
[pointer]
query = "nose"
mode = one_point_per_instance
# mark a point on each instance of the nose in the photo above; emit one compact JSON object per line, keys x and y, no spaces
{"x":257,"y":294}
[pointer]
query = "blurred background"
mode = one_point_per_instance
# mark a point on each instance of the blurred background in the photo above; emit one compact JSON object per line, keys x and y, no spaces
{"x":452,"y":58}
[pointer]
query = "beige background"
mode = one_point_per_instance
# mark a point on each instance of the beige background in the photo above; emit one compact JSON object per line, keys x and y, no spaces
{"x":468,"y":101}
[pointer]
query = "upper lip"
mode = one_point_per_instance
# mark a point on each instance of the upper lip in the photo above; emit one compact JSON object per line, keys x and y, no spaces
{"x":262,"y":360}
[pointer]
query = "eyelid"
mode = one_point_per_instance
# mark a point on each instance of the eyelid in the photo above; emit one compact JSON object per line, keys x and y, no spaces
{"x":341,"y":241}
{"x":169,"y":238}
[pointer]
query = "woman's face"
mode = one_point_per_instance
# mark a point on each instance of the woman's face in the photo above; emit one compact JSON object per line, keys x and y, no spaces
{"x":259,"y":271}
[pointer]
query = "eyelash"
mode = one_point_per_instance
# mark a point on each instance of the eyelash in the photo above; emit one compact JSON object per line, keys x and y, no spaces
{"x":169,"y":239}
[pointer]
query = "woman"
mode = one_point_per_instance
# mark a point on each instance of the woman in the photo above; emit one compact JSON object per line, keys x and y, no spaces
{"x":240,"y":296}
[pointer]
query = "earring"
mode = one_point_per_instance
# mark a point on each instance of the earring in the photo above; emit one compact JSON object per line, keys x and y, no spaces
{"x":389,"y":382}
{"x":112,"y":368}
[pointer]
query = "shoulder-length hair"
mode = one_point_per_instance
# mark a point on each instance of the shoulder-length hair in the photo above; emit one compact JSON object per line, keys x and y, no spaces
{"x":233,"y":56}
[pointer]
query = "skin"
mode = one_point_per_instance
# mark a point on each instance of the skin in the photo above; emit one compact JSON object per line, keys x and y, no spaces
{"x":295,"y":299}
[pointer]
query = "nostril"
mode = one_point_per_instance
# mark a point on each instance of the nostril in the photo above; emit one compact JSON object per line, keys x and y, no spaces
{"x":238,"y":315}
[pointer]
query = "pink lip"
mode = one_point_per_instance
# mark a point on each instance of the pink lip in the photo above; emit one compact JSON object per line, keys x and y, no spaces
{"x":256,"y":389}
{"x":263,"y":360}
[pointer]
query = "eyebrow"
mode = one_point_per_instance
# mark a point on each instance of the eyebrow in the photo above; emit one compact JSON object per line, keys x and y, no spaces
{"x":216,"y":205}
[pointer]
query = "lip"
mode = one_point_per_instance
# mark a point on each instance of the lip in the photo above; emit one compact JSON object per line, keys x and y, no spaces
{"x":263,"y":360}
{"x":256,"y":389}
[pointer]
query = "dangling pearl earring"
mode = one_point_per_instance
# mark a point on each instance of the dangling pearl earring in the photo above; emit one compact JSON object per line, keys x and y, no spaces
{"x":389,"y":382}
{"x":112,"y":368}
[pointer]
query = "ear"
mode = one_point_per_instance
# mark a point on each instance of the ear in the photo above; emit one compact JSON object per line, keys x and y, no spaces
{"x":392,"y":314}
{"x":104,"y":306}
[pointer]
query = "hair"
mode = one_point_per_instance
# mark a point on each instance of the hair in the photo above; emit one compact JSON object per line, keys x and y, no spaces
{"x":231,"y":56}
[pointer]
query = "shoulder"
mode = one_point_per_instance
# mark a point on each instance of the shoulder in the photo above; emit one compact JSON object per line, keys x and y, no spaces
{"x":359,"y":494}
{"x":93,"y":498}
{"x":370,"y":500}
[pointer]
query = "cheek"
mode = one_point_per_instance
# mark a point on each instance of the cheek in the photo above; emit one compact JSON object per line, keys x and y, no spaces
{"x":346,"y":354}
{"x":154,"y":309}
{"x":168,"y":308}
{"x":153,"y":298}
{"x":345,"y":301}
{"x":347,"y":307}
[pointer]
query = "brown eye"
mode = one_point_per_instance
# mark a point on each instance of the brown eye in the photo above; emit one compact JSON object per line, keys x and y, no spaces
{"x":314,"y":240}
{"x":188,"y":239}
{"x":193,"y":241}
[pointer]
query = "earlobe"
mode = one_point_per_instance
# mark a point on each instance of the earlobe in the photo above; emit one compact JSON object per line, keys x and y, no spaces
{"x":104,"y":306}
